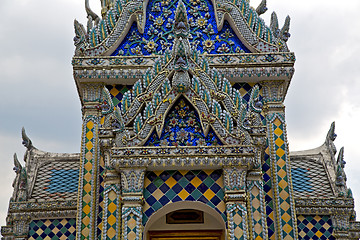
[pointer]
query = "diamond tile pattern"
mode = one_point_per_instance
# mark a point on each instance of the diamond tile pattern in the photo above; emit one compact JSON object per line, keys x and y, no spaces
{"x":57,"y":180}
{"x":87,"y":178}
{"x":117,"y":92}
{"x":131,"y":226}
{"x":244,"y":89}
{"x":162,"y":187}
{"x":269,"y":195}
{"x":112,"y":215}
{"x":238,"y":225}
{"x":287,"y":225}
{"x":309,"y":178}
{"x":52,"y":229}
{"x":101,"y":198}
{"x":256,"y":213}
{"x":315,"y":227}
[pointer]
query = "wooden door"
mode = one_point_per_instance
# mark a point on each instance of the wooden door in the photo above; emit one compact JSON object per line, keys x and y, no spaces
{"x":186,"y":235}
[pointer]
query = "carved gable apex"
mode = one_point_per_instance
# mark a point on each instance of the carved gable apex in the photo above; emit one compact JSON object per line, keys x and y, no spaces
{"x":145,"y":27}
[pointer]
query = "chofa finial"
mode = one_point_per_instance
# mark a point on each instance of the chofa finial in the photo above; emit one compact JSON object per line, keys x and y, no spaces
{"x":331,"y":133}
{"x":26,"y":140}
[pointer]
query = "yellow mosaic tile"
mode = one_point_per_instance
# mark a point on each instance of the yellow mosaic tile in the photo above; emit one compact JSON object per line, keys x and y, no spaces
{"x":209,"y":194}
{"x":111,"y":220}
{"x":89,"y":135}
{"x":90,"y":124}
{"x":86,"y":210}
{"x":183,"y":194}
{"x":114,"y":91}
{"x":89,"y":145}
{"x":112,"y":207}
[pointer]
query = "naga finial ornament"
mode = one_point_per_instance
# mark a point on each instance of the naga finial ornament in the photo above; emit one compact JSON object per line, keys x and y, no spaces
{"x":26,"y":140}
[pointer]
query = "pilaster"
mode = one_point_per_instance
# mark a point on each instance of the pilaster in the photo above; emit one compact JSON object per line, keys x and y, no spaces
{"x":236,"y":203}
{"x":89,"y":163}
{"x":132,"y":185}
{"x":277,"y":172}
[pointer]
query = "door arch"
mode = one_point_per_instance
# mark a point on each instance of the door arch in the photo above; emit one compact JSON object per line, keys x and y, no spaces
{"x":212,"y":219}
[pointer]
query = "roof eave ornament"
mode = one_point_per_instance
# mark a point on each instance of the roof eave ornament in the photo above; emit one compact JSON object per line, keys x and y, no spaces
{"x":93,"y":18}
{"x":330,"y":138}
{"x":261,"y":9}
{"x":26,"y":140}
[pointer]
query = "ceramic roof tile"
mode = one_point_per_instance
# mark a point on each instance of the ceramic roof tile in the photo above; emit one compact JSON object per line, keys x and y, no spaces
{"x":309,"y":177}
{"x":57,"y":180}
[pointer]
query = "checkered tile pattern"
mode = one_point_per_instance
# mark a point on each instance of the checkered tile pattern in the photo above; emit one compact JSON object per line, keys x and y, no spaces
{"x":112,"y":214}
{"x":287,"y":225}
{"x":117,"y":92}
{"x":131,"y":227}
{"x":244,"y":89}
{"x":88,"y":169}
{"x":57,"y":180}
{"x":283,"y":187}
{"x":309,"y":178}
{"x":315,"y":227}
{"x":101,"y":198}
{"x":269,"y":195}
{"x":256,"y":202}
{"x":165,"y":187}
{"x":238,"y":225}
{"x":54,"y":229}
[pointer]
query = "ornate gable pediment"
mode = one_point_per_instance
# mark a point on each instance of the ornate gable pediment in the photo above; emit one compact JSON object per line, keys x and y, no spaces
{"x":145,"y":27}
{"x":179,"y":81}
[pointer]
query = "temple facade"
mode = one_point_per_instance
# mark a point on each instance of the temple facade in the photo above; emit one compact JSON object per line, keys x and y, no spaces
{"x":184,"y":135}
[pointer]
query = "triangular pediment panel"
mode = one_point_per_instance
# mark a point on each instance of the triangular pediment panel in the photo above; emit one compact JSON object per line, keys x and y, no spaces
{"x":145,"y":27}
{"x":182,"y":127}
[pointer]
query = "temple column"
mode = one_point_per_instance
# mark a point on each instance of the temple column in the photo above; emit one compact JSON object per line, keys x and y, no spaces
{"x":277,"y":173}
{"x":112,"y":206}
{"x":89,"y":163}
{"x":236,"y":202}
{"x":256,"y":205}
{"x":132,"y":184}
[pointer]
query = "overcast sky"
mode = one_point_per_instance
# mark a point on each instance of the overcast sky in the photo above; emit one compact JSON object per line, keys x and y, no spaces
{"x":38,"y":91}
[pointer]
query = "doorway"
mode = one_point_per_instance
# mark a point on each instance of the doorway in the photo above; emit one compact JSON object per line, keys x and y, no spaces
{"x":186,"y":235}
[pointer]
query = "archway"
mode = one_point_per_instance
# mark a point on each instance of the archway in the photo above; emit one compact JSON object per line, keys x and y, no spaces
{"x":212,"y":220}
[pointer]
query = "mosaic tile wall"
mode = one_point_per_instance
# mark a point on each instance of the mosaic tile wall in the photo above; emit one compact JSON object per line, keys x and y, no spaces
{"x":117,"y":92}
{"x":163,"y":187}
{"x":57,"y":180}
{"x":310,"y":179}
{"x":54,"y":229}
{"x":315,"y":227}
{"x":159,"y":36}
